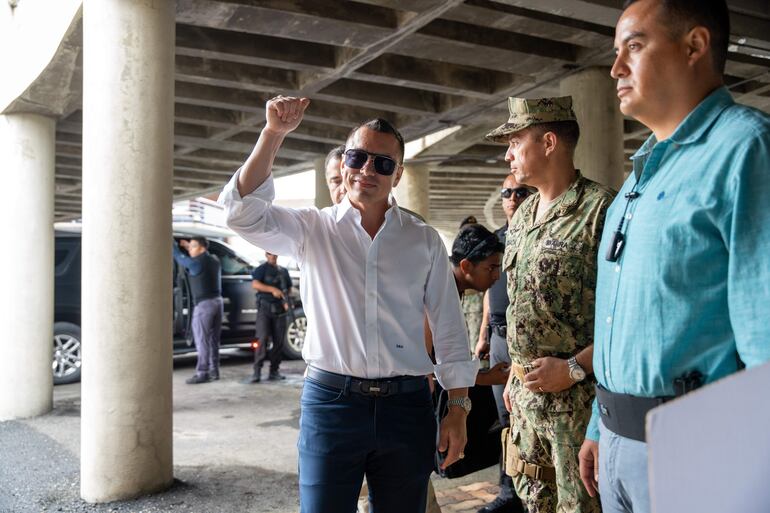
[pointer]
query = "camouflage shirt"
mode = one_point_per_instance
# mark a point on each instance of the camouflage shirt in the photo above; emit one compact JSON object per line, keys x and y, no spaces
{"x":551,"y":271}
{"x":473,"y":307}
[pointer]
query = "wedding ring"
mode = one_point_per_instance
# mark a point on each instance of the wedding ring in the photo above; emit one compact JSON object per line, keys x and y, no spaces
{"x":541,"y":389}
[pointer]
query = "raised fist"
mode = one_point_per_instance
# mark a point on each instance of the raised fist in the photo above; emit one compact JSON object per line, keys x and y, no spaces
{"x":284,"y":113}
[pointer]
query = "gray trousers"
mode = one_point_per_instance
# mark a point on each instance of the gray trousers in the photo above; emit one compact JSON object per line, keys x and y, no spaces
{"x":498,"y":352}
{"x":207,"y":329}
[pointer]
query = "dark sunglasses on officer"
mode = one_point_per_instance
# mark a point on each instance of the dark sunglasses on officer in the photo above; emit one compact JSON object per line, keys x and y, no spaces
{"x":519,"y":192}
{"x":383,"y":165}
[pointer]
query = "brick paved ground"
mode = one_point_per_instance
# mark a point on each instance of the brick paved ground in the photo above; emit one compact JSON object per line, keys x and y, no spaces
{"x":466,"y":498}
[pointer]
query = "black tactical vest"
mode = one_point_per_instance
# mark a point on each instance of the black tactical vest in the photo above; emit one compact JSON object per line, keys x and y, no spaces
{"x":274,"y":277}
{"x":208,"y":283}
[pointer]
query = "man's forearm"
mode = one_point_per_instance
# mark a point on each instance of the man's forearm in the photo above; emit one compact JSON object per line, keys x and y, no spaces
{"x":454,"y":393}
{"x":257,"y":167}
{"x":585,"y":359}
{"x":261,"y":287}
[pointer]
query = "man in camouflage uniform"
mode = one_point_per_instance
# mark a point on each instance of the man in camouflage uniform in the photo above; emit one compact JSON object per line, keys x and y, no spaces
{"x":550,"y":261}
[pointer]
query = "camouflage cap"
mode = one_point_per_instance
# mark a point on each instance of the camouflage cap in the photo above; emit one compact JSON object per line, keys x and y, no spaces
{"x":527,"y":112}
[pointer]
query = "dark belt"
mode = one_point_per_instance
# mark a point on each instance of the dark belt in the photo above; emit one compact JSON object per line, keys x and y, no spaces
{"x":625,"y":414}
{"x":374,"y":387}
{"x":499,"y":329}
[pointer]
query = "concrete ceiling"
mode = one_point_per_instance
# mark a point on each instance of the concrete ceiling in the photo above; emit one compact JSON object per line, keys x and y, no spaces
{"x":424,"y":64}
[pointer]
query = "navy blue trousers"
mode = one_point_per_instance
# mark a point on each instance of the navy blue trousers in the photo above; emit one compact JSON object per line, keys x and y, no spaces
{"x":344,"y":436}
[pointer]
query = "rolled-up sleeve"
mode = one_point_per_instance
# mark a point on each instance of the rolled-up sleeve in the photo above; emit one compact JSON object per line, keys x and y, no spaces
{"x":455,"y":367}
{"x":276,"y":229}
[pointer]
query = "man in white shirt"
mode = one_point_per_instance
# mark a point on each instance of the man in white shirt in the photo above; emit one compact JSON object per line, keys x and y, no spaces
{"x":369,"y":275}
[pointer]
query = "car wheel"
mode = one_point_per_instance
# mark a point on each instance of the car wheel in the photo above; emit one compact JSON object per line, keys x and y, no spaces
{"x":295,"y":336}
{"x":66,"y":353}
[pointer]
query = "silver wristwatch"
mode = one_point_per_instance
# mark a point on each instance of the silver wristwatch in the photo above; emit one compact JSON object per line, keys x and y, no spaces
{"x":576,"y":372}
{"x":462,"y":402}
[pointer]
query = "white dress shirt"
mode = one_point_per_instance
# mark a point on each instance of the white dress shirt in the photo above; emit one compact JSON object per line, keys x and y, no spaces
{"x":365,"y":299}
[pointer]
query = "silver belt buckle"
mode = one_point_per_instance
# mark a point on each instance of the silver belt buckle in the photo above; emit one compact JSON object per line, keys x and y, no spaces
{"x":375,"y":388}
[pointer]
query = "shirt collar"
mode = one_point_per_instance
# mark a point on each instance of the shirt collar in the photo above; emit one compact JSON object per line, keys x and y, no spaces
{"x":344,"y":206}
{"x":697,"y":122}
{"x":570,"y":196}
{"x":561,"y":207}
{"x":395,"y":209}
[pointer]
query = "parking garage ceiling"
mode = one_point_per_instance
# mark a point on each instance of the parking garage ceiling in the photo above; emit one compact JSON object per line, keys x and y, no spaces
{"x":424,"y":64}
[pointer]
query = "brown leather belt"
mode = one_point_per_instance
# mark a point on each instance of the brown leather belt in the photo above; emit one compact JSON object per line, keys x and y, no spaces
{"x":519,"y":371}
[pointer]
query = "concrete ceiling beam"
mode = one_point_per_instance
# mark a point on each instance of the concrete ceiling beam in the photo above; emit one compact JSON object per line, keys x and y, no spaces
{"x":485,"y":13}
{"x":456,"y":142}
{"x":307,"y":131}
{"x":320,"y":111}
{"x":337,"y":22}
{"x":222,"y":159}
{"x":253,"y":49}
{"x":234,"y":74}
{"x":208,"y":116}
{"x":529,"y":47}
{"x":437,"y":76}
{"x":349,"y":60}
{"x":383,"y":96}
{"x":596,"y":12}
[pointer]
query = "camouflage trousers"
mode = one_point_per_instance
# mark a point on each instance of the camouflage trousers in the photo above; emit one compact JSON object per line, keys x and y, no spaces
{"x":551,"y":439}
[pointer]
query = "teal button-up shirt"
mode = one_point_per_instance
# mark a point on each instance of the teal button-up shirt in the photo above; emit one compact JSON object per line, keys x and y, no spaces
{"x":691,"y":290}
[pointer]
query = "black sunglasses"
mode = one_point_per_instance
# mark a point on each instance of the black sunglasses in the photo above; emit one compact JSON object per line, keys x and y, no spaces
{"x":383,"y":165}
{"x":520,"y":192}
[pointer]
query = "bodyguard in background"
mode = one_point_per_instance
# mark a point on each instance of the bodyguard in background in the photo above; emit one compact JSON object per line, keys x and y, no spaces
{"x":273,"y":285}
{"x":205,"y":276}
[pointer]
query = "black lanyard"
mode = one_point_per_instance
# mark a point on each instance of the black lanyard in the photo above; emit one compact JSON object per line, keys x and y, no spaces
{"x":617,"y":243}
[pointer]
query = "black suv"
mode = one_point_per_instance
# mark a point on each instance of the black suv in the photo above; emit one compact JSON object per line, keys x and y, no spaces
{"x":237,"y":324}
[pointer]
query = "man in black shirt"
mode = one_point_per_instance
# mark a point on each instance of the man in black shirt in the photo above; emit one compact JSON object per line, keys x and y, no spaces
{"x":495,"y":305}
{"x":273,"y":284}
{"x":205,"y":278}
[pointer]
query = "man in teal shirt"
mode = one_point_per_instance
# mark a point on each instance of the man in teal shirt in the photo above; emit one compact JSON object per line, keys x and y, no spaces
{"x":683,"y":281}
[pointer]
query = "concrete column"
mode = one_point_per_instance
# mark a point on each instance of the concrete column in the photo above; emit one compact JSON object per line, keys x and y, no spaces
{"x":128,"y":104}
{"x":412,"y":191}
{"x":27,"y":264}
{"x":322,"y":197}
{"x":599,"y":154}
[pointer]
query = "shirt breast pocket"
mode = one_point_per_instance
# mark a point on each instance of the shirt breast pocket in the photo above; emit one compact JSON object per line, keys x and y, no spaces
{"x":558,"y":282}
